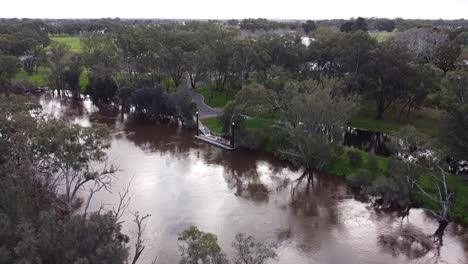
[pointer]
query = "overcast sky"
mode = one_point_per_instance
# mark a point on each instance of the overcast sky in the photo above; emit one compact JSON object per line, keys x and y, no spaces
{"x":221,"y":9}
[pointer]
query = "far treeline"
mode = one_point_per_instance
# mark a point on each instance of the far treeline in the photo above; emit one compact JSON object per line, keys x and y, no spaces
{"x":287,"y":94}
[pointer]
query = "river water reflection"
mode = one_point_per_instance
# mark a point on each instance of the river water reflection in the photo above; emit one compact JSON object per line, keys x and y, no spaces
{"x":182,"y":182}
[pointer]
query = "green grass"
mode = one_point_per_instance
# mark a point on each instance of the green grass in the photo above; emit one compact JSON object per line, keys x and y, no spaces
{"x":36,"y":79}
{"x":342,"y":165}
{"x":73,"y":42}
{"x":213,"y":124}
{"x":84,"y":80}
{"x":456,"y":184}
{"x":252,"y":123}
{"x":381,"y":36}
{"x":219,"y":98}
{"x":426,"y":121}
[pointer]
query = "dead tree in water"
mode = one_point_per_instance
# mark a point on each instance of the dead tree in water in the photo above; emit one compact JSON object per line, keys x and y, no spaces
{"x":441,"y":196}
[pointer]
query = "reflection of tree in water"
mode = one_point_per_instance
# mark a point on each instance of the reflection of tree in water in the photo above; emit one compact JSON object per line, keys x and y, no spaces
{"x":409,"y":242}
{"x":415,"y":244}
{"x":317,"y":195}
{"x":165,"y":139}
{"x":314,"y":209}
{"x":242,"y":175}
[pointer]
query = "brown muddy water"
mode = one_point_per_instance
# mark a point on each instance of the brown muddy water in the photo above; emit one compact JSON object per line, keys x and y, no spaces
{"x":183,"y":182}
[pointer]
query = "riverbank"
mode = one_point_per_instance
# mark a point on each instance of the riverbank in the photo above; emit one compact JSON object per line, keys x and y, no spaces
{"x":343,"y":166}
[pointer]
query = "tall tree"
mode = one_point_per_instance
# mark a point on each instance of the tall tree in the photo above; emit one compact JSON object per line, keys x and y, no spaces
{"x":455,"y":103}
{"x":309,"y":26}
{"x":446,"y":55}
{"x":57,"y":64}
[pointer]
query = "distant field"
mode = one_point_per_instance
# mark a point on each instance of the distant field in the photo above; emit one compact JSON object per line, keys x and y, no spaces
{"x":381,"y":36}
{"x":71,"y":41}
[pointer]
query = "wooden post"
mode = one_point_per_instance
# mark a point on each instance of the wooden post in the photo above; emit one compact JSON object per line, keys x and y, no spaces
{"x":198,"y":130}
{"x":232,"y":135}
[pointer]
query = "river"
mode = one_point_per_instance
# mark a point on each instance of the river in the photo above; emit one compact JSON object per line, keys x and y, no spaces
{"x":183,"y":182}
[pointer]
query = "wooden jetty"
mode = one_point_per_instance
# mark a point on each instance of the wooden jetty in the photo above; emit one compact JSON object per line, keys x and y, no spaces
{"x":213,"y":141}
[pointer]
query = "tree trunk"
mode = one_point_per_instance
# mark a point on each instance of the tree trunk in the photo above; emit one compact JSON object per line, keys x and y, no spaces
{"x":439,"y":233}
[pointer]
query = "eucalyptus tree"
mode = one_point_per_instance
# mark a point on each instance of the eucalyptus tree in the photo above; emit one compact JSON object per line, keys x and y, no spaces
{"x":57,"y":63}
{"x":455,"y":104}
{"x":387,"y":71}
{"x":71,"y":152}
{"x":446,"y":56}
{"x":421,"y":81}
{"x":311,"y":128}
{"x":9,"y":66}
{"x":325,"y":51}
{"x":100,"y":53}
{"x":37,"y":225}
{"x":421,"y":43}
{"x":358,"y":48}
{"x":72,"y":75}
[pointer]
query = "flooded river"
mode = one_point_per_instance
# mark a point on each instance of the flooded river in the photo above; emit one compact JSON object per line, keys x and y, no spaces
{"x":182,"y":182}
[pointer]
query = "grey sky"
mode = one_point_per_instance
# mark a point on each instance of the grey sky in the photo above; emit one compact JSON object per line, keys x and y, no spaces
{"x":219,"y":9}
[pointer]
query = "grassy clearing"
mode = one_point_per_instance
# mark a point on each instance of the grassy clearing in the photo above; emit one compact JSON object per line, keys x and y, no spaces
{"x":381,"y":36}
{"x":73,"y":42}
{"x":218,"y":99}
{"x":213,"y":124}
{"x":252,"y":123}
{"x":427,"y":121}
{"x":37,"y":79}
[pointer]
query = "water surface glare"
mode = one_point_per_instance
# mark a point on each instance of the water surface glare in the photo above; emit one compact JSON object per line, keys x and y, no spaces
{"x":182,"y":182}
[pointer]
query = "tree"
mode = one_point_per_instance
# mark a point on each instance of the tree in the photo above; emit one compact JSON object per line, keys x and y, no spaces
{"x":420,"y":82}
{"x":389,"y":65}
{"x":200,"y":247}
{"x":36,"y":228}
{"x":72,"y":75}
{"x":326,"y":51}
{"x":462,"y":39}
{"x":359,"y":25}
{"x":386,"y":25}
{"x":455,"y":104}
{"x":100,"y":53}
{"x":446,"y":55}
{"x":101,"y":88}
{"x":71,"y":151}
{"x":57,"y":65}
{"x":421,"y":43}
{"x":357,"y":49}
{"x":9,"y":66}
{"x":309,"y":26}
{"x":347,"y":27}
{"x":250,"y":251}
{"x":312,"y":124}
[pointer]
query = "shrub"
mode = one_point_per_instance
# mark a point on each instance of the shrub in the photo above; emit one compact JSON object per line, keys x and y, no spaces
{"x":373,"y":164}
{"x":355,"y":158}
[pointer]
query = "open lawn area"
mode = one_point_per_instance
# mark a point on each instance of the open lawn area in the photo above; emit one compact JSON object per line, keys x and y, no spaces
{"x":426,"y":120}
{"x":73,"y":42}
{"x":38,"y":79}
{"x":252,"y":123}
{"x":381,"y":36}
{"x":218,"y":98}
